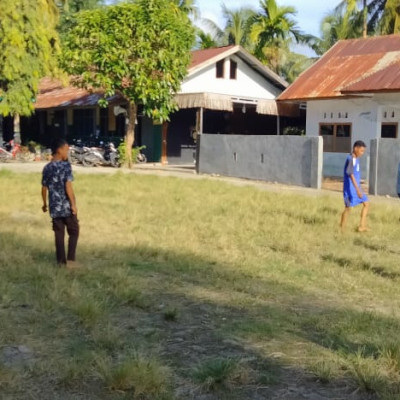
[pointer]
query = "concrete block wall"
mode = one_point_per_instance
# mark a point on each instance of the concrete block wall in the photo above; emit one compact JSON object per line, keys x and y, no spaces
{"x":384,"y":176}
{"x":293,"y":160}
{"x":334,"y":165}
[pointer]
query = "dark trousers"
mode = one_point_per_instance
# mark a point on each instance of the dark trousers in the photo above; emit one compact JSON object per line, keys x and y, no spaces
{"x":72,"y":225}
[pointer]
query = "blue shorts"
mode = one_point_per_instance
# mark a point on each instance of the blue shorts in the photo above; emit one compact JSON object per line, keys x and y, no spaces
{"x":352,"y":201}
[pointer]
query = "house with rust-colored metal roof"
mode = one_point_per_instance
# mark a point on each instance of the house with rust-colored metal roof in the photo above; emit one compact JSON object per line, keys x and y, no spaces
{"x":351,"y":93}
{"x":226,"y":91}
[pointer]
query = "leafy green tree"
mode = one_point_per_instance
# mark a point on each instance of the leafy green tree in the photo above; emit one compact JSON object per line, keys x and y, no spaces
{"x":140,"y":50}
{"x":28,"y":47}
{"x":68,"y":8}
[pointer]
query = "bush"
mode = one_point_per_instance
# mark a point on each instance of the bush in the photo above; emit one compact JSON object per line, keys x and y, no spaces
{"x":294,"y":131}
{"x":122,"y":153}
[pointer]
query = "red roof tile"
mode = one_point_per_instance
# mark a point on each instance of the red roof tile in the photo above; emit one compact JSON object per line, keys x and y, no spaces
{"x":360,"y":62}
{"x":200,"y":56}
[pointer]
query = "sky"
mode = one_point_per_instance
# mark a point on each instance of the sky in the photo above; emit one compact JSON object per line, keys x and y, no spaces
{"x":309,"y":12}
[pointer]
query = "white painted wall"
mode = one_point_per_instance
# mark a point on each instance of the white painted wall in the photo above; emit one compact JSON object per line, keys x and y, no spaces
{"x":366,"y":116}
{"x":361,"y":113}
{"x":249,"y":83}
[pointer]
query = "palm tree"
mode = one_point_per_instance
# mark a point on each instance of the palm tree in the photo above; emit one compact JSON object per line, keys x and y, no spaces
{"x":189,"y":7}
{"x":379,"y":16}
{"x":205,"y":40}
{"x":390,"y":20}
{"x":272,"y":24}
{"x":237,"y":27}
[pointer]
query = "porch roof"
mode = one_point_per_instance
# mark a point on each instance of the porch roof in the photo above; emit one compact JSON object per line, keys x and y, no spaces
{"x":219,"y":102}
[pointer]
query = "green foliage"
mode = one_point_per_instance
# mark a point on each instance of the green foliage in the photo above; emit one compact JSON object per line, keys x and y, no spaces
{"x":68,"y":9}
{"x":216,"y":372}
{"x":145,"y":376}
{"x":28,"y":48}
{"x":123,"y":158}
{"x":294,"y":130}
{"x":140,"y":49}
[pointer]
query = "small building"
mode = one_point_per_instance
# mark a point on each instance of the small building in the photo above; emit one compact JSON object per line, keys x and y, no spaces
{"x":351,"y":93}
{"x":226,"y":91}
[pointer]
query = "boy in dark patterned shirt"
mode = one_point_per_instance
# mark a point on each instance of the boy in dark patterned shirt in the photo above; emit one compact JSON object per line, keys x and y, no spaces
{"x":57,"y":182}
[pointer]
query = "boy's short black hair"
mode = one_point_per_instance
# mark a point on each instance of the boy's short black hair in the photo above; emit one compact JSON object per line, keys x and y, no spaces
{"x":359,"y":143}
{"x":57,"y":143}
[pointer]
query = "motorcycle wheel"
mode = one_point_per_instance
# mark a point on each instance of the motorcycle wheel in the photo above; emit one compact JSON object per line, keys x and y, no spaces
{"x":114,"y":161}
{"x":89,"y":161}
{"x":141,"y":158}
{"x":73,"y":159}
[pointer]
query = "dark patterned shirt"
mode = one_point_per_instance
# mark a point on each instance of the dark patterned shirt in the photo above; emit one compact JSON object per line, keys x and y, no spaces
{"x":55,"y":176}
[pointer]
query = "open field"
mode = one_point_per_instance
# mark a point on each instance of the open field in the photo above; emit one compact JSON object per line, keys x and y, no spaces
{"x":194,"y":289}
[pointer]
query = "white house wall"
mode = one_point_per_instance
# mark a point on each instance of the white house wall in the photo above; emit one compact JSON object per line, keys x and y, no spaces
{"x":363,"y":114}
{"x":248,"y":84}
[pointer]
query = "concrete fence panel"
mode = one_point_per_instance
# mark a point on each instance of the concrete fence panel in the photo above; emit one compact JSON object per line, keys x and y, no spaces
{"x":294,"y":160}
{"x":384,"y":167}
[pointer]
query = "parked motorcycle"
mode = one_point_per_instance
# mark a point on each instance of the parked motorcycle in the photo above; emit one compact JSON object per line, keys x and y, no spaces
{"x":77,"y":153}
{"x":140,"y":157}
{"x":101,"y":156}
{"x":14,"y":151}
{"x":5,"y":155}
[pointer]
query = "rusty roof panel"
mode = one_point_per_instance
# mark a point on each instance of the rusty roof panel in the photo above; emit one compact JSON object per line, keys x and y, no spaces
{"x":53,"y":94}
{"x":387,"y":79}
{"x":346,"y":63}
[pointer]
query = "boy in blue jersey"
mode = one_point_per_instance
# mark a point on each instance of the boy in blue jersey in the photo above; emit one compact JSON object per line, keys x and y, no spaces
{"x":57,"y":184}
{"x":352,"y":192}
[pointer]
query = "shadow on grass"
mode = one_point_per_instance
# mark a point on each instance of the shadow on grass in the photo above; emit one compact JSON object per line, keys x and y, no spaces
{"x":215,"y":319}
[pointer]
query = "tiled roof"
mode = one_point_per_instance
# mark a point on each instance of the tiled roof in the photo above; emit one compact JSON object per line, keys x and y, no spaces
{"x":201,"y":56}
{"x":356,"y":65}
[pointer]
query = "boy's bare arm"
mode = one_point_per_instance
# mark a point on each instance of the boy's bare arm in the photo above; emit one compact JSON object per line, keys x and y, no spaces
{"x":44,"y":197}
{"x":71,"y":197}
{"x":359,"y":192}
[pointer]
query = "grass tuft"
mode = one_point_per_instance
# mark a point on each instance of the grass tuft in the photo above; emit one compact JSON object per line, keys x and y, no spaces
{"x":142,"y":375}
{"x":216,"y":373}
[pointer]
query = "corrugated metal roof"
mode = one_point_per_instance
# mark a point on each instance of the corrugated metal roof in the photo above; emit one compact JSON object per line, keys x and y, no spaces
{"x":386,"y":80}
{"x":53,"y":94}
{"x":363,"y":63}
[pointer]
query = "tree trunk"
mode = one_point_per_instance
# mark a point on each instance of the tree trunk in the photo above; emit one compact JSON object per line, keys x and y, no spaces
{"x":130,"y":132}
{"x":365,"y":17}
{"x":17,"y":129}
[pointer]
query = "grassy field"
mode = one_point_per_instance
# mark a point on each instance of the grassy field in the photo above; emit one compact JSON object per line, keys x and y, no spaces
{"x":197,"y":290}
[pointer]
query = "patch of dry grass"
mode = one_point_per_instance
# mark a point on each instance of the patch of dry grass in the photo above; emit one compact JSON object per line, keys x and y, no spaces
{"x":181,"y":272}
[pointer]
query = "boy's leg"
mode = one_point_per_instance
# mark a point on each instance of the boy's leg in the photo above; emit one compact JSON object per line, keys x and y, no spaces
{"x":343,"y":220}
{"x":363,"y":220}
{"x":59,"y":233}
{"x":73,"y":233}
